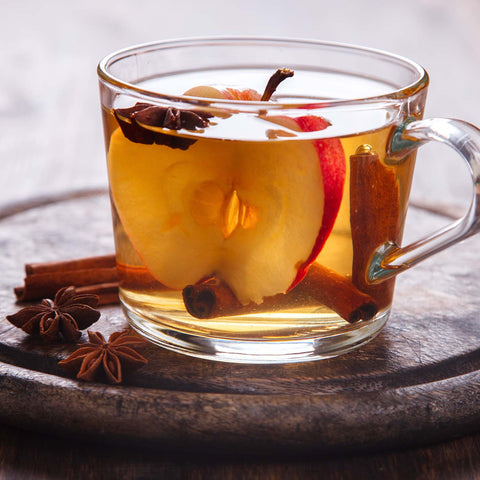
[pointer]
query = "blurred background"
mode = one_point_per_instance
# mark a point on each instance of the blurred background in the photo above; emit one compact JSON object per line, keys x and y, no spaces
{"x":50,"y":126}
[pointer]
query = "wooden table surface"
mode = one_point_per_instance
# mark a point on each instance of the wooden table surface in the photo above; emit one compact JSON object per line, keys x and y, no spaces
{"x":34,"y":456}
{"x":51,"y":142}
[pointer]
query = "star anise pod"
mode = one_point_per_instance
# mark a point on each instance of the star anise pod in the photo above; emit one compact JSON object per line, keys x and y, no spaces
{"x":101,"y":360}
{"x":135,"y":122}
{"x":62,"y":317}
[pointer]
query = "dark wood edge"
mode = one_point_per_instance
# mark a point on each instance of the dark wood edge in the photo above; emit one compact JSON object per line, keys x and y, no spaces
{"x":253,"y":423}
{"x":14,"y":208}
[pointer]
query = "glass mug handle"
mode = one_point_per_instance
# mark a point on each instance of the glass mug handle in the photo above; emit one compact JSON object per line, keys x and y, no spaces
{"x":390,"y":259}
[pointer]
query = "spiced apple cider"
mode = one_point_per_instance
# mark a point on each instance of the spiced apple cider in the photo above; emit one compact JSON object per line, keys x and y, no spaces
{"x":254,"y":226}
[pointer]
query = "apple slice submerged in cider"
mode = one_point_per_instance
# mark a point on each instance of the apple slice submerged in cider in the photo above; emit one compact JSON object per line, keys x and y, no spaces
{"x":252,"y":214}
{"x":247,"y":212}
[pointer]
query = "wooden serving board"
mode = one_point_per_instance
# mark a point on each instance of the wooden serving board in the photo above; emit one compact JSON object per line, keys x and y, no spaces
{"x":416,"y":383}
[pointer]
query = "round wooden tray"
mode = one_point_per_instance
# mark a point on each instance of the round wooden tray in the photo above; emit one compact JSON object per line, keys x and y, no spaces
{"x":417,"y":382}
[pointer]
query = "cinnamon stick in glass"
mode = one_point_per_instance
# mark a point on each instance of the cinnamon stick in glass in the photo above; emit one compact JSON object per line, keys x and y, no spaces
{"x":374,"y":217}
{"x":321,"y":286}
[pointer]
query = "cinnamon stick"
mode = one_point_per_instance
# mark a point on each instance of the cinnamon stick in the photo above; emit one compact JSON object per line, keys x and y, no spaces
{"x":107,"y":292}
{"x":96,"y":274}
{"x":103,"y":261}
{"x":338,"y":293}
{"x":374,"y":218}
{"x":321,"y":285}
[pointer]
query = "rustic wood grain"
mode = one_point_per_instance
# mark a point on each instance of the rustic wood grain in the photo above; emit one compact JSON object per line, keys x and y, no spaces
{"x":32,"y":456}
{"x":418,"y":382}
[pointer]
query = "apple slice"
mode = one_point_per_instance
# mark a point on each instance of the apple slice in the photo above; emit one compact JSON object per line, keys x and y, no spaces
{"x":253,"y":214}
{"x":248,"y":213}
{"x":223,"y":92}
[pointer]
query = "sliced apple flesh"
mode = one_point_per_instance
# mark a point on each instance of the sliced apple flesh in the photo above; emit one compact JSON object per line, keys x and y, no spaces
{"x":253,"y":214}
{"x":248,"y":213}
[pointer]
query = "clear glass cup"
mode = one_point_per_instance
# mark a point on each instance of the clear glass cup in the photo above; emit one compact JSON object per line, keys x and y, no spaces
{"x":266,"y":230}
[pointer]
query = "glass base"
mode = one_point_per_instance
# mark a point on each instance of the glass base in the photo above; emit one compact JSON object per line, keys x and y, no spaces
{"x":259,"y":351}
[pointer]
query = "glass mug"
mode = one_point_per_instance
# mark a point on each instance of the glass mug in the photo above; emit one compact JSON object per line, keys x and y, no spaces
{"x":267,"y":230}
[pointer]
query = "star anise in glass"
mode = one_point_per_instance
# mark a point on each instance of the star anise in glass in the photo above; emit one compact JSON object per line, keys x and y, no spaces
{"x":100,"y":360}
{"x":135,"y":122}
{"x":63,"y":317}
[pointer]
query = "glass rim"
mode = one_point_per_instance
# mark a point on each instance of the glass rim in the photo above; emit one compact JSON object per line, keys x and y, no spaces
{"x":406,"y":91}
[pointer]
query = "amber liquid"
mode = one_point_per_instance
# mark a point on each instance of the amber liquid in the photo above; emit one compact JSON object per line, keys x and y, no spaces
{"x":146,"y":295}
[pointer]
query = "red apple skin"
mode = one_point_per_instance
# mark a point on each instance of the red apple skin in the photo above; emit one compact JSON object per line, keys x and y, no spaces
{"x":235,"y":94}
{"x":332,"y":163}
